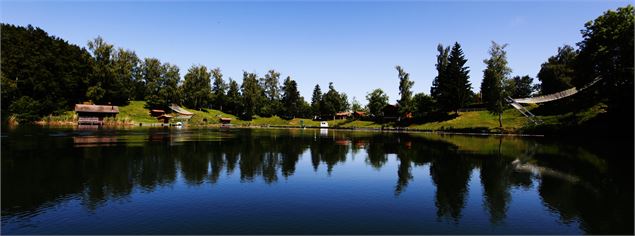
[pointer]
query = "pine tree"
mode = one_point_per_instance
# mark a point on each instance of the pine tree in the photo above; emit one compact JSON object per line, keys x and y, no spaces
{"x":316,"y":99}
{"x":233,"y":104}
{"x":459,"y":89}
{"x":291,"y":97}
{"x":218,"y":89}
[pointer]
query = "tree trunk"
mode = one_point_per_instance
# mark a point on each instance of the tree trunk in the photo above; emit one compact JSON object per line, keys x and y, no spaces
{"x":500,"y":120}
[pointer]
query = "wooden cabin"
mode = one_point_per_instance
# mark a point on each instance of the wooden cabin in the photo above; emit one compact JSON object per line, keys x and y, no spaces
{"x":359,"y":114}
{"x":94,"y":114}
{"x":225,"y":121}
{"x":164,"y":118}
{"x":342,"y":115}
{"x":156,"y":113}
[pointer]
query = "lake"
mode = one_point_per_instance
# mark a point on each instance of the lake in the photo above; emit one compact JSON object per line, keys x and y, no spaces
{"x":310,"y":181}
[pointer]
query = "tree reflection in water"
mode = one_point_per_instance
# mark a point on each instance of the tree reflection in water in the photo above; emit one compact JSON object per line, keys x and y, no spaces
{"x":601,"y":198}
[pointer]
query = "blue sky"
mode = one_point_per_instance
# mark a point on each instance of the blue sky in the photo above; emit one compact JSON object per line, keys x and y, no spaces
{"x":356,"y":44}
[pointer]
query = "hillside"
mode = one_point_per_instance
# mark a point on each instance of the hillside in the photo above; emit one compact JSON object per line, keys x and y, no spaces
{"x":474,"y":121}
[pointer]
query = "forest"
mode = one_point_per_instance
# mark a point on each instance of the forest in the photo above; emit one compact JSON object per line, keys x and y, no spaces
{"x":42,"y":74}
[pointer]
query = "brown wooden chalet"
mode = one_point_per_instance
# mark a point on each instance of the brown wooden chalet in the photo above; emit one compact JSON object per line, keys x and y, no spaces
{"x":165,"y":118}
{"x":342,"y":115}
{"x":359,"y":114}
{"x":156,"y":112}
{"x":94,"y":114}
{"x":225,"y":120}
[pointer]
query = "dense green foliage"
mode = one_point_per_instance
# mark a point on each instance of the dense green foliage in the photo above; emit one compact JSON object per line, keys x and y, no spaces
{"x":557,"y":73}
{"x":44,"y":73}
{"x":377,"y":100}
{"x":606,"y":50}
{"x":333,"y":102}
{"x":196,"y":89}
{"x":161,"y":84}
{"x":423,"y":105}
{"x":520,"y":87}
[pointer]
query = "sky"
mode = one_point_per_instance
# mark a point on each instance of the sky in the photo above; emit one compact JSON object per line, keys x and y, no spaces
{"x":354,"y":44}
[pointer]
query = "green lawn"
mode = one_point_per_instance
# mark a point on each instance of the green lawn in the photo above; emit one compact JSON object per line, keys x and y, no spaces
{"x":136,"y":112}
{"x":479,"y":120}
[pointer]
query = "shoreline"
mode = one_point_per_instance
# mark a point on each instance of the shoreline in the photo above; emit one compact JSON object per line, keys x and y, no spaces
{"x":468,"y":131}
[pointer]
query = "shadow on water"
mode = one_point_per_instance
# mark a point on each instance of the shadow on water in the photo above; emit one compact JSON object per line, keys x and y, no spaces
{"x":592,"y":185}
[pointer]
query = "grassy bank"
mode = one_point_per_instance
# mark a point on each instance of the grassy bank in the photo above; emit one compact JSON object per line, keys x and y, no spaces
{"x":474,"y":121}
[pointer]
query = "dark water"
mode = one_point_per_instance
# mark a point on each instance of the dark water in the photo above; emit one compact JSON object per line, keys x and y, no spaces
{"x":182,"y":181}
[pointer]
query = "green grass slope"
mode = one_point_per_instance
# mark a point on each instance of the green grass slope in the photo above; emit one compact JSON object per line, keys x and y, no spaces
{"x":474,"y":121}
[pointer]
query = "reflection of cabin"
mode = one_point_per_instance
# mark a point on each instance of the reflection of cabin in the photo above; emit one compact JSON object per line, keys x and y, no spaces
{"x":94,"y":141}
{"x":225,"y":121}
{"x":156,"y":113}
{"x":164,"y":118}
{"x":342,"y":115}
{"x":94,"y":114}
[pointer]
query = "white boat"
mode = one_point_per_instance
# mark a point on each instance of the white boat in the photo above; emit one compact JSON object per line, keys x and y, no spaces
{"x":324,"y":124}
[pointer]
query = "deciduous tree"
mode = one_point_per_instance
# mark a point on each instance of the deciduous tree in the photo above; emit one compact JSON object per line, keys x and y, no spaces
{"x":196,"y":88}
{"x":494,"y":77}
{"x":405,"y":90}
{"x":252,"y":95}
{"x":557,"y":73}
{"x":377,"y":100}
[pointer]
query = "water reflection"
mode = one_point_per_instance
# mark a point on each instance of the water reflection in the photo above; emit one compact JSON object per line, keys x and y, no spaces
{"x":576,"y":183}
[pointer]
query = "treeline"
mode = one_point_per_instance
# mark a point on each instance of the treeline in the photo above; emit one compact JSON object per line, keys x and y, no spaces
{"x":44,"y":75}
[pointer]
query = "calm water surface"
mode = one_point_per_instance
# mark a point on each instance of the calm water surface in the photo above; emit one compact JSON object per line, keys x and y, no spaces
{"x":241,"y":181}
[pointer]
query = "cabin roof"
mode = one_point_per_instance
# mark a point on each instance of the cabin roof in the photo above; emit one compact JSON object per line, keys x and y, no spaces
{"x":180,"y":110}
{"x":96,"y":108}
{"x":225,"y":119}
{"x":157,"y":111}
{"x":345,"y":113}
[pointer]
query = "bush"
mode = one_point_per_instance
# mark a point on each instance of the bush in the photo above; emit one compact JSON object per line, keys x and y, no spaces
{"x":26,"y":109}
